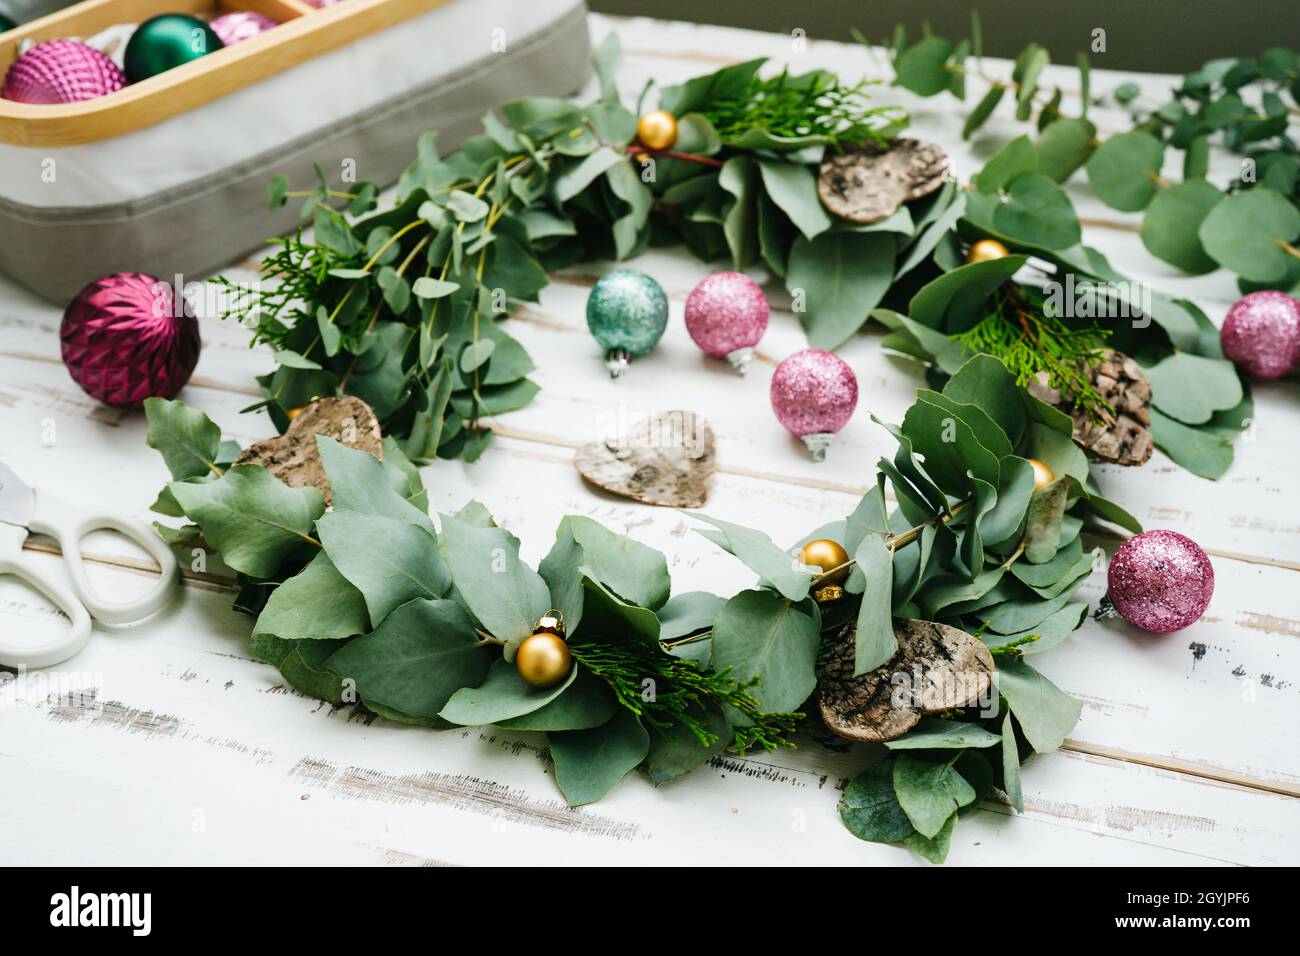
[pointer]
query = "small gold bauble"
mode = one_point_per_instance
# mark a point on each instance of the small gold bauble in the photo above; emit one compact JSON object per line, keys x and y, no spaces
{"x":543,"y":660}
{"x":986,"y":250}
{"x":1042,"y":474}
{"x":827,"y":555}
{"x":295,"y":411}
{"x":657,"y":130}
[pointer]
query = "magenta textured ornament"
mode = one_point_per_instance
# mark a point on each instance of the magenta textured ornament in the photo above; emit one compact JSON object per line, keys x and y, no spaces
{"x":240,"y":25}
{"x":1262,"y":334}
{"x":726,"y":315}
{"x":814,"y":393}
{"x":61,"y":71}
{"x":1160,"y":581}
{"x":125,"y":339}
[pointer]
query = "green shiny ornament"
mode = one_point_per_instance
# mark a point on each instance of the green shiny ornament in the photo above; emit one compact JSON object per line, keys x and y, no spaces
{"x":627,"y":313}
{"x":7,"y":23}
{"x":167,"y":41}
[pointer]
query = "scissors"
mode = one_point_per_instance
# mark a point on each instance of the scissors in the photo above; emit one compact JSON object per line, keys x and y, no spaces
{"x":24,"y":509}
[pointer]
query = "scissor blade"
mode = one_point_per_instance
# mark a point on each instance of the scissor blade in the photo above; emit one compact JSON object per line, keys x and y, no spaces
{"x":17,"y":500}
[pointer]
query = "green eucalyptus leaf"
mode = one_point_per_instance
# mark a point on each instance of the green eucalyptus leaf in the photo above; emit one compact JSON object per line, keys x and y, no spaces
{"x":358,"y":482}
{"x":587,"y":702}
{"x":923,"y":68}
{"x":502,"y":695}
{"x":1064,"y":146}
{"x":1011,"y":765}
{"x":1248,"y":232}
{"x":1191,"y":388}
{"x":588,"y":763}
{"x":251,"y":517}
{"x":929,"y":792}
{"x":1038,"y":212}
{"x":1017,"y":158}
{"x":933,"y":733}
{"x":1124,"y":170}
{"x":870,"y":808}
{"x":758,"y":553}
{"x":416,"y":659}
{"x":1044,"y":712}
{"x":505,"y":594}
{"x":317,"y":603}
{"x":389,"y":560}
{"x":761,"y":634}
{"x":793,"y":187}
{"x":874,"y":643}
{"x":839,"y":277}
{"x":677,"y":751}
{"x":687,"y":613}
{"x":1170,"y":226}
{"x":188,"y":440}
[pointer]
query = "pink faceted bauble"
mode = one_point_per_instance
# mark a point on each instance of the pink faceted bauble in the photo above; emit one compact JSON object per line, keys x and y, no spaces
{"x":125,"y":339}
{"x":814,"y":393}
{"x":241,"y":25}
{"x":1160,"y":581}
{"x":61,"y":71}
{"x":726,"y":315}
{"x":1262,"y":334}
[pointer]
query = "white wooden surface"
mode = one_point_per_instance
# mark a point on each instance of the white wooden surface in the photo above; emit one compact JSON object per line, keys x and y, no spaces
{"x":169,"y":743}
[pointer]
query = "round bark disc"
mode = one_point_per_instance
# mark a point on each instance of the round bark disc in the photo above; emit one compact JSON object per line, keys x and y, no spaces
{"x":937,"y":668}
{"x":868,"y":183}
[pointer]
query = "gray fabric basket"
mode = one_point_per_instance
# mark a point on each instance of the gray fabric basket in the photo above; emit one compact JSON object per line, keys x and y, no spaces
{"x":217,"y":217}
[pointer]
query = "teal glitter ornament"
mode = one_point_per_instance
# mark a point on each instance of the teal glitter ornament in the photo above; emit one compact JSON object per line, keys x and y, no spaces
{"x":167,"y":41}
{"x":627,"y":313}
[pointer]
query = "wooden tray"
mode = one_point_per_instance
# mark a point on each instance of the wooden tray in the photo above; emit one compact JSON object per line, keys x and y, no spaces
{"x":302,"y":32}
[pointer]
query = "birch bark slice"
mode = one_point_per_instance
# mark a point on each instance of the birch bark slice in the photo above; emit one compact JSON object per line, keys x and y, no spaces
{"x":937,"y":668}
{"x":668,"y":459}
{"x":293,"y":458}
{"x":866,"y":184}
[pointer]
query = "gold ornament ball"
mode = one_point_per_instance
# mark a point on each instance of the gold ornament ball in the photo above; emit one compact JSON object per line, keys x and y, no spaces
{"x":294,"y":412}
{"x":657,"y":130}
{"x":986,"y":250}
{"x":1042,"y":474}
{"x":826,"y":554}
{"x":543,"y":660}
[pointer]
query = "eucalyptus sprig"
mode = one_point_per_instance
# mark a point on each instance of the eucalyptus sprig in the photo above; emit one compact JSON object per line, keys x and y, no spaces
{"x":1249,"y":224}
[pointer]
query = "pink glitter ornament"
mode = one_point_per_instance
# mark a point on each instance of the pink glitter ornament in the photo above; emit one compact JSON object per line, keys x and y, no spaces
{"x":124,"y":340}
{"x":61,"y":71}
{"x":240,"y":25}
{"x":1262,"y":334}
{"x":726,"y":315}
{"x":1160,"y":581}
{"x":814,"y":393}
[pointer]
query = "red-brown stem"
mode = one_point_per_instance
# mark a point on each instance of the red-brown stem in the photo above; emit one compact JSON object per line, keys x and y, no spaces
{"x":689,"y":157}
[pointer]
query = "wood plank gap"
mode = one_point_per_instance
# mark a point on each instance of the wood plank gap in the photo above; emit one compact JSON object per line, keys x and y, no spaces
{"x":1186,"y":767}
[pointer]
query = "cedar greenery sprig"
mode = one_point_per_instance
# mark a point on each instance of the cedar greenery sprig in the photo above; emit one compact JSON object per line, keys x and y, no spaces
{"x":814,"y":104}
{"x":1028,"y":341}
{"x":683,"y":694}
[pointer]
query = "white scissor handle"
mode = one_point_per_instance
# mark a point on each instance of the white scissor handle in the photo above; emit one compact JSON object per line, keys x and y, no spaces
{"x":18,"y":654}
{"x":68,"y":525}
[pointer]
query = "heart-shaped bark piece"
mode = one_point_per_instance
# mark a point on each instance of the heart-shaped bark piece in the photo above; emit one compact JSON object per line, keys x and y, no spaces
{"x":667,"y":459}
{"x":868,"y":183}
{"x":293,"y":458}
{"x":937,"y":668}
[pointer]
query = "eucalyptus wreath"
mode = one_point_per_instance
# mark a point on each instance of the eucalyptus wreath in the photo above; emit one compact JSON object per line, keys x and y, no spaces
{"x":373,"y":603}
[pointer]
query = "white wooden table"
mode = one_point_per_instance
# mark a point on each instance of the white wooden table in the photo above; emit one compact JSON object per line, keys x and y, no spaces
{"x":170,"y":743}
